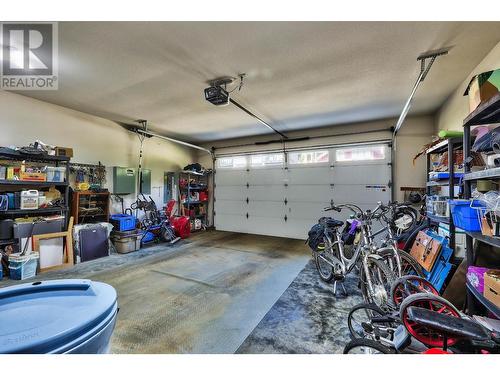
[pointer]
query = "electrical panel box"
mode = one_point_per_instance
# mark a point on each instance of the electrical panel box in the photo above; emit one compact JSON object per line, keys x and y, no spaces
{"x":124,"y":180}
{"x":146,"y":181}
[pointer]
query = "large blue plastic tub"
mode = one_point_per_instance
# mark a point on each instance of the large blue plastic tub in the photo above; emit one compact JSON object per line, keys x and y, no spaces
{"x":60,"y":316}
{"x":466,"y":214}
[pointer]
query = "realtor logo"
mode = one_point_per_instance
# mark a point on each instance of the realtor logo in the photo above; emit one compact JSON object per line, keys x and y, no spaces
{"x":29,"y":56}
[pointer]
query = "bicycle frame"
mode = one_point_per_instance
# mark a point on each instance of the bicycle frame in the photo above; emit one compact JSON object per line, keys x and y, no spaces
{"x":346,"y":265}
{"x":394,"y":246}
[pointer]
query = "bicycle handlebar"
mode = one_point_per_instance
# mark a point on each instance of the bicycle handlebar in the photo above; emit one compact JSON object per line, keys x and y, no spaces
{"x":380,"y":212}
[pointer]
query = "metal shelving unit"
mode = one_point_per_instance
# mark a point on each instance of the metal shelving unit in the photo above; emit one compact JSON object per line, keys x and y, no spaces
{"x":199,"y":178}
{"x":16,"y":185}
{"x":440,"y":219}
{"x":486,"y":113}
{"x":491,"y":307}
{"x":448,"y":145}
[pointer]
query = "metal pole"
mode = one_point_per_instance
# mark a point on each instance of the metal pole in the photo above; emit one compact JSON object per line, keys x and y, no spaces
{"x":140,"y":131}
{"x":257,"y":118}
{"x":432,"y":55}
{"x":407,"y":105}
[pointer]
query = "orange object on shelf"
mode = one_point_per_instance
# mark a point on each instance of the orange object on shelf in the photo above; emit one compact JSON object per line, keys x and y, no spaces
{"x":33,"y":176}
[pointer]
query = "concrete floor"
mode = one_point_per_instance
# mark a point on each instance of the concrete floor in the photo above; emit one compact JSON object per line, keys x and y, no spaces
{"x":203,"y":295}
{"x":307,"y":318}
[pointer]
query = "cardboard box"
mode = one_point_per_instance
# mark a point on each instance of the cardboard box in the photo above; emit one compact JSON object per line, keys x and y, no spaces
{"x":482,"y":88}
{"x":475,"y":276}
{"x":492,"y":286}
{"x":32,"y":176}
{"x":64,"y":151}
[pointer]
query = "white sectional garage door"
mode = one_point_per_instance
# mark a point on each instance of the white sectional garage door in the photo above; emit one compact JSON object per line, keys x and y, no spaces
{"x":283,"y":195}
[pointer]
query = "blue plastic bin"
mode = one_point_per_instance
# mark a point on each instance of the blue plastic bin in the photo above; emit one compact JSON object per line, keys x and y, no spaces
{"x":122,"y":222}
{"x":59,"y":316}
{"x":465,"y":216}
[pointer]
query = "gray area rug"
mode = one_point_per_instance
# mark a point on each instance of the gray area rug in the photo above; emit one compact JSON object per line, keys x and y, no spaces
{"x":307,"y":318}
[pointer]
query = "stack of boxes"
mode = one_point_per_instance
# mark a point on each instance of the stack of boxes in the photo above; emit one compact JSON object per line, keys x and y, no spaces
{"x":125,"y":236}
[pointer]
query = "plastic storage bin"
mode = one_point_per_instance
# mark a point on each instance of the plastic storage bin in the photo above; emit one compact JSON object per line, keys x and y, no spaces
{"x":466,"y":215}
{"x":23,"y":267}
{"x":122,"y":222}
{"x":59,"y":316}
{"x":56,"y":174}
{"x":126,"y":242}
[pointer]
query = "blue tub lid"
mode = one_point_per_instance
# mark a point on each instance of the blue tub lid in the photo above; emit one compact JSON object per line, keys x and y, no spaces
{"x":41,"y":316}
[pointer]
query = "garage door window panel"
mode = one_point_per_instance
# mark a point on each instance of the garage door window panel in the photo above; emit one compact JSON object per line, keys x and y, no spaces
{"x":309,"y":157}
{"x":267,"y":160}
{"x":366,"y":154}
{"x":232,"y":162}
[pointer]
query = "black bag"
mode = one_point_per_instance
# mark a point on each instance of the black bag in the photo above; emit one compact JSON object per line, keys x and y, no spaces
{"x":196,"y":167}
{"x":315,"y":236}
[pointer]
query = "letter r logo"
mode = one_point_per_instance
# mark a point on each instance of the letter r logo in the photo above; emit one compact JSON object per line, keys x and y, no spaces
{"x":27,"y":49}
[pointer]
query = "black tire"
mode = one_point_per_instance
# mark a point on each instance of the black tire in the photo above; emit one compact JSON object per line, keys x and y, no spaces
{"x":408,"y":264}
{"x":400,"y":281}
{"x":411,"y":265}
{"x":167,"y":233}
{"x":431,"y":302}
{"x":374,"y":311}
{"x":388,"y":278}
{"x":357,"y":344}
{"x":411,"y":300}
{"x":325,"y":271}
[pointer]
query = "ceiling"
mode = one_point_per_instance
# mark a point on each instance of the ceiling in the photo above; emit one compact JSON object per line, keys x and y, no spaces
{"x":299,"y":74}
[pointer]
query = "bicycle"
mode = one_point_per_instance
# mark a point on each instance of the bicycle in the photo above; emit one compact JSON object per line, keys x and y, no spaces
{"x":401,"y":219}
{"x":327,"y":244}
{"x":369,"y":321}
{"x":379,"y":264}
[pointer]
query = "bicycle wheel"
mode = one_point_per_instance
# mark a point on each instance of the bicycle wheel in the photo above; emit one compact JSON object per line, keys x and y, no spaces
{"x":408,"y":285}
{"x":361,"y":325}
{"x":409,"y":266}
{"x":366,"y":346}
{"x":423,"y":333}
{"x":325,"y":270}
{"x":381,"y":277}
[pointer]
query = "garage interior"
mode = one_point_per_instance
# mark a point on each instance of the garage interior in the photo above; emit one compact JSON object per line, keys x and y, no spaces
{"x":197,"y":215}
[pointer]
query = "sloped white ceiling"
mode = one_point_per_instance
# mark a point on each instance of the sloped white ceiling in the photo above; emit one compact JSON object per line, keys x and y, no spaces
{"x":299,"y":74}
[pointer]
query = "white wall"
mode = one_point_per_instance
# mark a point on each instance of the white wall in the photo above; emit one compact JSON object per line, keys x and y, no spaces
{"x":93,"y":139}
{"x":415,"y":133}
{"x":456,"y":107}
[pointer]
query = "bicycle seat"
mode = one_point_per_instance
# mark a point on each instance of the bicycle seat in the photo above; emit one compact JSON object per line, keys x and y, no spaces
{"x":331,"y":222}
{"x":450,"y":326}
